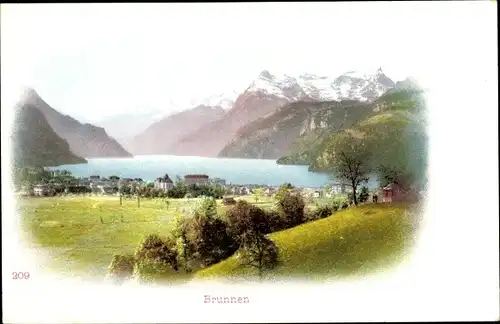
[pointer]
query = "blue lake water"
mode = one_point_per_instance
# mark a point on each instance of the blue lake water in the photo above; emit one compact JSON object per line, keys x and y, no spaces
{"x":236,"y":171}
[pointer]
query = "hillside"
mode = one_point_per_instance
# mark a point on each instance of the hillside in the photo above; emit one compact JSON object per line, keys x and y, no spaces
{"x":158,"y":137}
{"x":35,"y":144}
{"x":85,"y":140}
{"x":211,"y":138}
{"x":265,"y":95}
{"x":294,"y":128}
{"x":350,"y":242}
{"x":399,"y":112}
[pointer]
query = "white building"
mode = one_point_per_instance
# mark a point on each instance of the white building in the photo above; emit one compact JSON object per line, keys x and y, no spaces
{"x":338,"y":189}
{"x":163,"y":183}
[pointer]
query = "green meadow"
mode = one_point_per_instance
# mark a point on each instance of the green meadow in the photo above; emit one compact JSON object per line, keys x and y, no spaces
{"x":81,"y":235}
{"x":70,"y":228}
{"x":353,"y":241}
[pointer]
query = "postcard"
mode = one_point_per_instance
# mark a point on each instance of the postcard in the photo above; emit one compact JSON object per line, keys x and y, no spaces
{"x":249,"y":162}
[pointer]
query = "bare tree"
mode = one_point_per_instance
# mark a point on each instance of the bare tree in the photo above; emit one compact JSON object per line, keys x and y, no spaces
{"x":349,"y":159}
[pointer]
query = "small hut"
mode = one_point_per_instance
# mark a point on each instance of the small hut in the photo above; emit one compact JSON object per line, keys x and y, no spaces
{"x":396,"y":193}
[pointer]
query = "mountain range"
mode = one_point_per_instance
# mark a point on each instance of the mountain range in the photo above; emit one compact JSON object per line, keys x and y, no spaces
{"x":275,"y":117}
{"x":83,"y":140}
{"x":265,"y":95}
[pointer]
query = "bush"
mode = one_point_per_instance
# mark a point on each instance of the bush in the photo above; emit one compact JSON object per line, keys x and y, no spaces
{"x":121,"y":267}
{"x":179,"y":190}
{"x":363,"y":195}
{"x":258,"y":251}
{"x":291,"y":208}
{"x":151,"y":270}
{"x":322,"y":212}
{"x":340,"y":202}
{"x":155,"y":257}
{"x":213,"y":191}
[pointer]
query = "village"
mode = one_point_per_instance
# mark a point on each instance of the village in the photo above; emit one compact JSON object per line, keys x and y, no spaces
{"x":63,"y":183}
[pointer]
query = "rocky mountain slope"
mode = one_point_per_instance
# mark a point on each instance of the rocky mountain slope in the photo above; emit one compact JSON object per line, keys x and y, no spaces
{"x":85,"y":140}
{"x":266,"y":95}
{"x":276,"y":135}
{"x":297,"y":129}
{"x":390,"y":119}
{"x":34,"y":142}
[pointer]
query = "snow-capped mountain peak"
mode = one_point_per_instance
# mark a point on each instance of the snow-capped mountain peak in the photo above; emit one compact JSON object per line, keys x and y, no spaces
{"x":279,"y":85}
{"x":359,"y":85}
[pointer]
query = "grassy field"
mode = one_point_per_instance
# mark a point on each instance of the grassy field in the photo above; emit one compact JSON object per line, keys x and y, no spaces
{"x":70,"y":229}
{"x":350,"y":242}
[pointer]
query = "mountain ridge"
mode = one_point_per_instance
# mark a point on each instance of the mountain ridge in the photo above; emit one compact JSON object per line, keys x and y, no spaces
{"x":265,"y":95}
{"x":35,"y":143}
{"x":85,"y":139}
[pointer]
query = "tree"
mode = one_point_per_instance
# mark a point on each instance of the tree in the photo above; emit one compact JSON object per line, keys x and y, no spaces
{"x":244,"y":217}
{"x":291,"y":208}
{"x":259,"y":252}
{"x":349,"y":158}
{"x":208,"y":239}
{"x":258,"y":192}
{"x":283,"y":189}
{"x":180,"y":235}
{"x":207,"y":207}
{"x":155,"y":256}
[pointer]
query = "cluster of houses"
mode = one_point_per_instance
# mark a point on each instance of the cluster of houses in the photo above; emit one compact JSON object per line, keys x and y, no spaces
{"x":166,"y":183}
{"x":94,"y":184}
{"x":111,"y":185}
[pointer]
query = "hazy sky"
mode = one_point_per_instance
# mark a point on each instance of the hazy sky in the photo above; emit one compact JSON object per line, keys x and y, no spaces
{"x":96,"y":60}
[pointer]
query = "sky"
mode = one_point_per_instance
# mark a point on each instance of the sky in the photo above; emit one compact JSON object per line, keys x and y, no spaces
{"x":98,"y":60}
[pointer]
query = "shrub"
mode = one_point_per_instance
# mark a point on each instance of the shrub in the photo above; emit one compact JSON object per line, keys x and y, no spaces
{"x":155,"y":257}
{"x":179,"y":190}
{"x":340,"y":202}
{"x":121,"y":267}
{"x":291,"y":208}
{"x":363,"y":195}
{"x":322,"y":212}
{"x":151,"y":270}
{"x":258,"y":251}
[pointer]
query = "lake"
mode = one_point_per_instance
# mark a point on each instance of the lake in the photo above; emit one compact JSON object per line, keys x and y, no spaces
{"x":236,"y":171}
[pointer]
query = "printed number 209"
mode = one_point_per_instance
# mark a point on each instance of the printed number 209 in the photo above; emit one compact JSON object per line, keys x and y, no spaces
{"x":20,"y":275}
